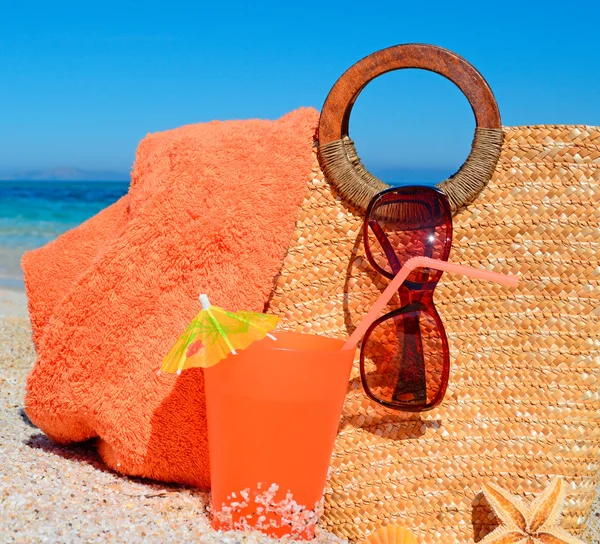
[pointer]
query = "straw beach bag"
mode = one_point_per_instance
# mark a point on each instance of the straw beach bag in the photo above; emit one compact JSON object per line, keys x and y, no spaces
{"x":522,"y":403}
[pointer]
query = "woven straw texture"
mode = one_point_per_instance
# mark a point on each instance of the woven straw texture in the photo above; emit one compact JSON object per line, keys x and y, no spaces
{"x":523,"y":401}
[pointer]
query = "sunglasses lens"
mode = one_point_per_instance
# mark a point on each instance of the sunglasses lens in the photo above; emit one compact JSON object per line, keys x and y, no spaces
{"x":406,"y":223}
{"x":404,"y":363}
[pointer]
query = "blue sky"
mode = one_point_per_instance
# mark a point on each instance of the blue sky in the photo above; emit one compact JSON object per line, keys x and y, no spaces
{"x":81,"y":83}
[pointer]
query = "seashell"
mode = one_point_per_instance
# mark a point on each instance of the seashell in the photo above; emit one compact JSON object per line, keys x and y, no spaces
{"x":391,"y":534}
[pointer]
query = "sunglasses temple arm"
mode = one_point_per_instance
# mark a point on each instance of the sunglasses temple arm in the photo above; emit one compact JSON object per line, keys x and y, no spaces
{"x":386,"y":245}
{"x":409,"y":266}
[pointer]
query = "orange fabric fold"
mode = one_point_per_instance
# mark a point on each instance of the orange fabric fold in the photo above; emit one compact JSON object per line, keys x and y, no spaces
{"x":211,"y":208}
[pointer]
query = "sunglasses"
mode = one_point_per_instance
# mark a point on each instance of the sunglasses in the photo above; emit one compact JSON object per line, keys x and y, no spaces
{"x":404,"y":357}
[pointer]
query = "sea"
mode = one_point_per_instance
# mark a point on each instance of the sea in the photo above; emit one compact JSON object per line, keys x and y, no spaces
{"x":32,"y":213}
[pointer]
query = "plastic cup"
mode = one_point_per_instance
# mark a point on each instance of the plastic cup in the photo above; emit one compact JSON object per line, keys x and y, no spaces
{"x":273,"y":413}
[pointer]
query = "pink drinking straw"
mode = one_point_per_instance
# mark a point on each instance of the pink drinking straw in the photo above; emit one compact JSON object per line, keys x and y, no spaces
{"x":407,"y":268}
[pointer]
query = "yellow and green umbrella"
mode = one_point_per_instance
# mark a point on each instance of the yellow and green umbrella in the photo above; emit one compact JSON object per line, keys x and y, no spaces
{"x":215,"y":333}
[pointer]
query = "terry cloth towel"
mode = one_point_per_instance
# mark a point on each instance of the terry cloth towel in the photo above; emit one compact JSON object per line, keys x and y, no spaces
{"x":211,"y":208}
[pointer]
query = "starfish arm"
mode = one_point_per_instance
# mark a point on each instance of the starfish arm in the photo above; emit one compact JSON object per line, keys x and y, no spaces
{"x":509,"y":508}
{"x":504,"y":535}
{"x":546,"y":508}
{"x":556,"y":535}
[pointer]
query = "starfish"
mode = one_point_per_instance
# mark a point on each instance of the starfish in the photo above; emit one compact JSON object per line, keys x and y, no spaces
{"x":535,"y":523}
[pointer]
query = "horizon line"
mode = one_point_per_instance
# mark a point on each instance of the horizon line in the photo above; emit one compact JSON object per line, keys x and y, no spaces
{"x":126,"y":177}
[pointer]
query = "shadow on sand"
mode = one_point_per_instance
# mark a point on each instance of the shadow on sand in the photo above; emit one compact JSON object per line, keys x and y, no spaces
{"x":87,"y":453}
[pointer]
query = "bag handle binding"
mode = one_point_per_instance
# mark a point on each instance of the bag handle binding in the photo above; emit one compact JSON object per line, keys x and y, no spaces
{"x":337,"y":153}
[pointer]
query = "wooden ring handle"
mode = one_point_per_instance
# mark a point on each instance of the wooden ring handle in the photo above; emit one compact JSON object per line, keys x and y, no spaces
{"x":333,"y":124}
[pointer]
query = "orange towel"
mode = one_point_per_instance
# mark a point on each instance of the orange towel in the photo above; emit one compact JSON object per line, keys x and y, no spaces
{"x":211,"y":208}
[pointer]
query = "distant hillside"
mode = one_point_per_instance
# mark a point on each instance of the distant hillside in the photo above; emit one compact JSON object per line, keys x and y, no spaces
{"x":65,"y":173}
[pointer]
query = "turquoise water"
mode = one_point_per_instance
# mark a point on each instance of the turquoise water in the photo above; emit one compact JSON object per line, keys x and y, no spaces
{"x":32,"y":213}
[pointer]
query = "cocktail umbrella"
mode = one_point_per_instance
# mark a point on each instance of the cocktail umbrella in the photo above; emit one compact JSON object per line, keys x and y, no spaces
{"x":215,"y":333}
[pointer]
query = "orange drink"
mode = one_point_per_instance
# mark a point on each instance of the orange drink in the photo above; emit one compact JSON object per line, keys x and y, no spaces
{"x":273,"y":413}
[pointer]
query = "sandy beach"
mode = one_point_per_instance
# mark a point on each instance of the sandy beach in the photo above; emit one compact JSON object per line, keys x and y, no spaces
{"x":52,"y":493}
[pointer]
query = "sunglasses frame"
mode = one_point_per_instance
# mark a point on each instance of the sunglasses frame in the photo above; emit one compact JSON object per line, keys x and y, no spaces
{"x":414,"y":296}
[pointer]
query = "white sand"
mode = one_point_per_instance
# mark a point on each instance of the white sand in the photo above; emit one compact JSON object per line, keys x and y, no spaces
{"x":50,"y":493}
{"x":13,"y":303}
